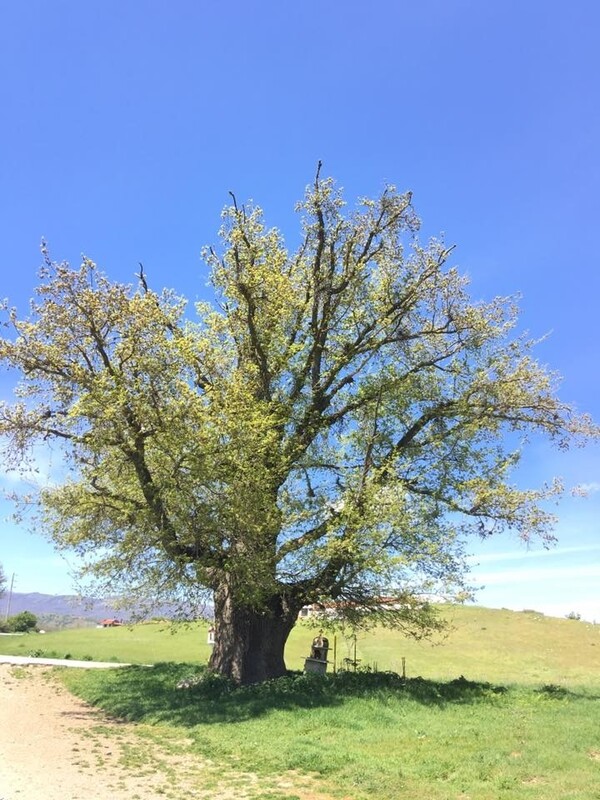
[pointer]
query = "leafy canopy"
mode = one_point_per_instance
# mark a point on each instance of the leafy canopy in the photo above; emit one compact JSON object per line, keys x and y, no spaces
{"x":333,"y":426}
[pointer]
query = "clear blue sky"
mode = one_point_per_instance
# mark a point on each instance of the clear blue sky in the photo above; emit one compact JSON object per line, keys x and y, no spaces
{"x":125,"y":124}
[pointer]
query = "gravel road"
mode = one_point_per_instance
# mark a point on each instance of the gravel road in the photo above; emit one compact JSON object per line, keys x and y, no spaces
{"x":59,"y":662}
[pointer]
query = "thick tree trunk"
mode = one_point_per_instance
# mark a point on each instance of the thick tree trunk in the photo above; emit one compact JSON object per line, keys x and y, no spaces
{"x":249,"y":644}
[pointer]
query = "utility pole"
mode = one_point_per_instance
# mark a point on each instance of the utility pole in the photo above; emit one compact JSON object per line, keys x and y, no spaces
{"x":10,"y":591}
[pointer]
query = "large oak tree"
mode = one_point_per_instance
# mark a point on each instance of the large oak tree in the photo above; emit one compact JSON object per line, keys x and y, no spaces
{"x":332,"y":427}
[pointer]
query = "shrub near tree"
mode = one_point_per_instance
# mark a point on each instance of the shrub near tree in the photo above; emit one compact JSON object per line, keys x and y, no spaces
{"x":24,"y":622}
{"x":335,"y":422}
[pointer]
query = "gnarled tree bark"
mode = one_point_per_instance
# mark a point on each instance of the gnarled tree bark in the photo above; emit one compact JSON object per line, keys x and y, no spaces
{"x":250,"y":642}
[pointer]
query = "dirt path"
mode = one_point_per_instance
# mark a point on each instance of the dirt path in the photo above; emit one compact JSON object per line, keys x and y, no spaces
{"x":52,"y":745}
{"x":55,"y":747}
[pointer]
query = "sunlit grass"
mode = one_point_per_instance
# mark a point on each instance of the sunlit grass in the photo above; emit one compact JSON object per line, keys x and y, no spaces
{"x":139,"y":644}
{"x":482,"y":644}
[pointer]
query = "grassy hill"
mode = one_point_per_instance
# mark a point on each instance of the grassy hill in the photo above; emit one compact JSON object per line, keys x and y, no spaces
{"x":495,"y":645}
{"x":480,"y":644}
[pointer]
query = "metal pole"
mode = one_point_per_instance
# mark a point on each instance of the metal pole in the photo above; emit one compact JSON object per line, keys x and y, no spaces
{"x":10,"y":591}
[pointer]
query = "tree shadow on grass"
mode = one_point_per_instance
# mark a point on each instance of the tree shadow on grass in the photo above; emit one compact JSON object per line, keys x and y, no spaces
{"x":552,"y":690}
{"x":186,"y":696}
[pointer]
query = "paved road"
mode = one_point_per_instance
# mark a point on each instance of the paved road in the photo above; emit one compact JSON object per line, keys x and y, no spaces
{"x":61,"y":662}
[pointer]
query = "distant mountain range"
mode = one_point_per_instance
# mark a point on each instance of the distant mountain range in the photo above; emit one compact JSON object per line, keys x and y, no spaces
{"x":69,"y":611}
{"x":43,"y":605}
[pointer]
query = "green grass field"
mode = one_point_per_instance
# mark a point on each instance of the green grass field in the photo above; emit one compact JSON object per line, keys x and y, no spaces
{"x":481,"y":644}
{"x":508,"y":707}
